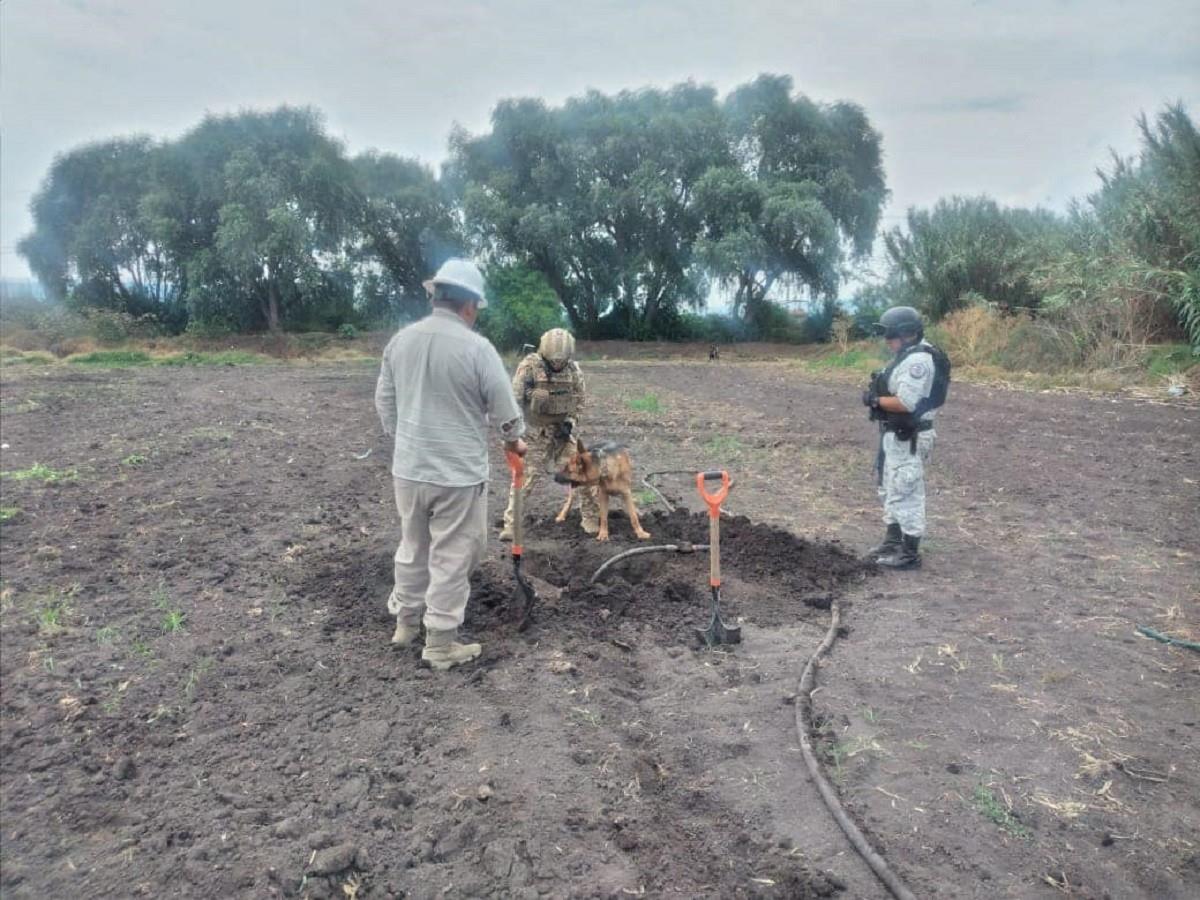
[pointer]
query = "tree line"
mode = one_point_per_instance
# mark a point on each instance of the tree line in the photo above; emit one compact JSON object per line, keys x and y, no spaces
{"x":620,"y":211}
{"x":618,"y":214}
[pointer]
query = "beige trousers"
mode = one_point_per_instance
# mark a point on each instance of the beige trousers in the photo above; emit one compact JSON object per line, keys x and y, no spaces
{"x":443,"y":537}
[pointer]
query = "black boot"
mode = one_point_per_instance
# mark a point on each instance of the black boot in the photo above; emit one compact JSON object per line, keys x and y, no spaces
{"x":891,"y":543}
{"x":908,"y":556}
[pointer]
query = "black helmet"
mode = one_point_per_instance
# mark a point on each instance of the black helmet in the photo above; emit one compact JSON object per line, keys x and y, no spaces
{"x":901,"y":322}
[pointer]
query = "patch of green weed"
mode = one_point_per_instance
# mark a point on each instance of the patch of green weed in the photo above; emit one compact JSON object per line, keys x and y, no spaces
{"x":172,"y":616}
{"x":645,"y":498}
{"x":41,"y":473}
{"x":134,"y":459}
{"x":724,"y":446}
{"x":112,"y":359}
{"x":9,"y":356}
{"x":647,"y":403}
{"x":8,"y":513}
{"x":51,"y":613}
{"x":194,"y":676}
{"x":1171,"y":359}
{"x":985,"y":802}
{"x":216,"y":358}
{"x":851,"y":359}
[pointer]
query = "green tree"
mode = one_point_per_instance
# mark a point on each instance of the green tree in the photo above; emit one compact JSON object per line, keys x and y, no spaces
{"x":596,"y":196}
{"x":94,"y":241}
{"x":804,"y":191}
{"x":408,"y":228}
{"x":521,"y":307}
{"x":271,"y":199}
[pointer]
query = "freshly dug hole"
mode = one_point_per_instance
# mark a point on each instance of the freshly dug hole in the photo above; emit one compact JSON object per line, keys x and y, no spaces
{"x":770,"y":577}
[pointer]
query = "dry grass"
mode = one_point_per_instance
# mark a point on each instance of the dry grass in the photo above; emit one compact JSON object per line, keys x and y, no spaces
{"x":975,"y":337}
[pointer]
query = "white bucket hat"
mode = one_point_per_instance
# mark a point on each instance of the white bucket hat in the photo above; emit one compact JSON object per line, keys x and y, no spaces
{"x":462,"y":274}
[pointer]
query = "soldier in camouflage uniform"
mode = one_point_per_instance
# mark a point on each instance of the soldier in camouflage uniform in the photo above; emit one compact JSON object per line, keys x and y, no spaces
{"x":906,"y":442}
{"x":549,"y":386}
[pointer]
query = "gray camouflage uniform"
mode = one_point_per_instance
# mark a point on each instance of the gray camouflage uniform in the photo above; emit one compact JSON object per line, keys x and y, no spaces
{"x":902,"y":486}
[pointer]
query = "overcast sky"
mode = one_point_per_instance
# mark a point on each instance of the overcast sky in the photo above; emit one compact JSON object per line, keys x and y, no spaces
{"x":1020,"y":99}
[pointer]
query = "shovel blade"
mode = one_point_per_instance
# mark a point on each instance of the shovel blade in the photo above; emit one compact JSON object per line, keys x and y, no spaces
{"x":524,"y":597}
{"x":719,"y":633}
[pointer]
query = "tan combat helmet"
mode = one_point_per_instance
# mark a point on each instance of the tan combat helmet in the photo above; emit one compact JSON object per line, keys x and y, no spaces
{"x":556,"y":348}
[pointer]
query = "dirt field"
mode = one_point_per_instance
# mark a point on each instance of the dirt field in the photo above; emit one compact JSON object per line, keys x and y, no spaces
{"x":199,"y":695}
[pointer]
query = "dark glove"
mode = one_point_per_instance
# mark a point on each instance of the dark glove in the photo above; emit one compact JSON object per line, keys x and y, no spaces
{"x":529,"y":386}
{"x":870,"y":398}
{"x":563,"y":430}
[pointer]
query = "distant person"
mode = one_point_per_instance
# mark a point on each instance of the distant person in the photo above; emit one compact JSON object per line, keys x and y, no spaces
{"x":549,"y":386}
{"x":903,"y":399}
{"x":440,"y":384}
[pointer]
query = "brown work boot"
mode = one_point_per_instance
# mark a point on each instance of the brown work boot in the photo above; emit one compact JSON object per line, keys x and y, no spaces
{"x":443,"y":652}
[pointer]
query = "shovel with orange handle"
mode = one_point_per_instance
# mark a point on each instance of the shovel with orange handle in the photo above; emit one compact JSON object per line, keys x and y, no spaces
{"x":526,"y":596}
{"x":717,"y":631}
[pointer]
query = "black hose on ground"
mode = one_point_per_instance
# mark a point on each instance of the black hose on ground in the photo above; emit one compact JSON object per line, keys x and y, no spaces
{"x":638,"y":551}
{"x":890,"y":879}
{"x":881,"y":869}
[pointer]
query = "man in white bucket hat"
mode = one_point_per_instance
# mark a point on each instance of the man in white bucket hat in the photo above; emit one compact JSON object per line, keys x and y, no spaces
{"x":440,"y":385}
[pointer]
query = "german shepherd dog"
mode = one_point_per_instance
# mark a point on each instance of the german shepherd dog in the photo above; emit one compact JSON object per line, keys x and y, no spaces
{"x":608,"y":469}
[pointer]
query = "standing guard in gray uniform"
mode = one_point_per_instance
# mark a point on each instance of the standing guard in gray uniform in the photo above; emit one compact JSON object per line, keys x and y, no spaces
{"x":902,"y":399}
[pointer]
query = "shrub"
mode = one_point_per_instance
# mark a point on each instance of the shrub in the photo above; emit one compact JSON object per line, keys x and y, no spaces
{"x":727,"y":329}
{"x":44,"y":327}
{"x":209,"y":327}
{"x":347,"y":332}
{"x":713,"y":328}
{"x":111,"y":326}
{"x":974,"y":336}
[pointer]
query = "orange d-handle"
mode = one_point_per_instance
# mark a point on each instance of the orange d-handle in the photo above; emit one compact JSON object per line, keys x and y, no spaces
{"x":516,"y":465}
{"x":714,"y":522}
{"x":714,"y":501}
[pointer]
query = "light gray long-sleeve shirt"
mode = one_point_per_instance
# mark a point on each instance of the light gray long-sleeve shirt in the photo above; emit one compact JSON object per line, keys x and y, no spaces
{"x":440,"y":384}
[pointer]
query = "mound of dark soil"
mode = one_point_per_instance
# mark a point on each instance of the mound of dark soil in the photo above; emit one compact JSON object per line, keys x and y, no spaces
{"x":770,"y":577}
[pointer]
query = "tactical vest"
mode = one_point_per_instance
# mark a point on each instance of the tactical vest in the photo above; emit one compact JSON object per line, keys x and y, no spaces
{"x":904,"y":424}
{"x":553,"y":394}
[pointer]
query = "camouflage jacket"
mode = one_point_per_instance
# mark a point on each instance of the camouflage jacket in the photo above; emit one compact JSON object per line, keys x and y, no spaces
{"x":548,"y":397}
